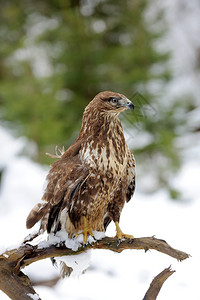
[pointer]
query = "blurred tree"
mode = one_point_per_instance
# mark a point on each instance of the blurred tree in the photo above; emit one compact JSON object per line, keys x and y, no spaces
{"x":56,"y":55}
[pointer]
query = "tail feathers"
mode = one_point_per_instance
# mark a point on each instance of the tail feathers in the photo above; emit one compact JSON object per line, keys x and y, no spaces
{"x":53,"y":217}
{"x":37,"y":213}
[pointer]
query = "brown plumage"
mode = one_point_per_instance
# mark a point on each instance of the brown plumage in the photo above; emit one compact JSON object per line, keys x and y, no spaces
{"x":88,"y":186}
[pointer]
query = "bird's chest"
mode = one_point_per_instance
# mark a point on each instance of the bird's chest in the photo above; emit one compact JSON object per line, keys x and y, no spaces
{"x":108,"y":159}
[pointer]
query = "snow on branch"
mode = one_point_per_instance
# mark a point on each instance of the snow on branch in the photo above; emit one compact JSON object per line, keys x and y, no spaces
{"x":17,"y":285}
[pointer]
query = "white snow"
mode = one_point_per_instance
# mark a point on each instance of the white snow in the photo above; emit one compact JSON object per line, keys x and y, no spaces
{"x":79,"y":263}
{"x":5,"y":255}
{"x":33,"y":296}
{"x":71,"y":243}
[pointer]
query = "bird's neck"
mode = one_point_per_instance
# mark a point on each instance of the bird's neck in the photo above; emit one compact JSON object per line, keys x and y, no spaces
{"x":103,"y":143}
{"x":97,"y":123}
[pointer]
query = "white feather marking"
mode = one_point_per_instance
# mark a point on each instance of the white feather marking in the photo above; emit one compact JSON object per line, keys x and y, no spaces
{"x":63,"y":218}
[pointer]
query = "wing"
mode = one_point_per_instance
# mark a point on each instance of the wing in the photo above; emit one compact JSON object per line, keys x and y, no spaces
{"x":63,"y":182}
{"x":130,"y":179}
{"x":124,"y":193}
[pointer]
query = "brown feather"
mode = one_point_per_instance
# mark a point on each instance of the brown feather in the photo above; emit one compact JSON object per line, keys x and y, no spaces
{"x":36,"y":214}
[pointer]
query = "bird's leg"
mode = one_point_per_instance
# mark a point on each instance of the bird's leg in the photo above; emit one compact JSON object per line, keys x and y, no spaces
{"x":87,"y":230}
{"x":120,"y":234}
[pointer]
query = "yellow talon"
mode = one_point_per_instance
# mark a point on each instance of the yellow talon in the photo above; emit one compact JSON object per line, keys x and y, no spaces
{"x":87,"y":230}
{"x":120,"y":234}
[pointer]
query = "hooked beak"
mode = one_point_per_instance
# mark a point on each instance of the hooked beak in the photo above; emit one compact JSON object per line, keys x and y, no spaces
{"x":127,"y":104}
{"x":130,"y":105}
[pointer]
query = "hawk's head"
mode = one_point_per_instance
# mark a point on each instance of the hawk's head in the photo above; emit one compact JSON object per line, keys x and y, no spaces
{"x":112,"y":102}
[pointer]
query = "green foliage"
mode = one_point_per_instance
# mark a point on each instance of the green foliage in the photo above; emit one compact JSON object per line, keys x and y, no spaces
{"x":87,"y":46}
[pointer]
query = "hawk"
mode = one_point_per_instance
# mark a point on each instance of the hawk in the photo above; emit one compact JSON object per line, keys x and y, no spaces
{"x":90,"y":183}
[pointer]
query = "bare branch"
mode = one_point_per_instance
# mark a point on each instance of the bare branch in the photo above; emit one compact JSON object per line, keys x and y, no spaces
{"x":15,"y":284}
{"x":157,"y":283}
{"x":49,"y":282}
{"x":145,"y":243}
{"x":12,"y":261}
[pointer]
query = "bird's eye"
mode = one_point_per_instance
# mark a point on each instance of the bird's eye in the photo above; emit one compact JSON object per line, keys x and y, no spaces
{"x":113,"y":100}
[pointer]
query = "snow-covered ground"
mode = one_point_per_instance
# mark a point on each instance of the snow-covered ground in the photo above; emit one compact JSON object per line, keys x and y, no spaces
{"x":110,"y":275}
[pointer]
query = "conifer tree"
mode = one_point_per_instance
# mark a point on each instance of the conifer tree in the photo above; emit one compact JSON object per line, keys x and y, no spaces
{"x":56,"y":55}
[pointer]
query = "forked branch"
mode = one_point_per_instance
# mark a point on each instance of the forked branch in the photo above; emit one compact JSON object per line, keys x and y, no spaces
{"x":11,"y":262}
{"x":157,"y":283}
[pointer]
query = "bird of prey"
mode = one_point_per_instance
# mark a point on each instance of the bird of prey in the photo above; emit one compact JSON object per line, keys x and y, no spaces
{"x":90,"y":183}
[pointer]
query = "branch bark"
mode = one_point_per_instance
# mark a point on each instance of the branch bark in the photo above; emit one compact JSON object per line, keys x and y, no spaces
{"x":49,"y":282}
{"x":17,"y":285}
{"x":157,"y":283}
{"x":13,"y":282}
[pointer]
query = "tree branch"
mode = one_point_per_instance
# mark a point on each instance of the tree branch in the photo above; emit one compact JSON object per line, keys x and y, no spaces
{"x":157,"y":283}
{"x":49,"y":282}
{"x":15,"y":284}
{"x":12,"y":261}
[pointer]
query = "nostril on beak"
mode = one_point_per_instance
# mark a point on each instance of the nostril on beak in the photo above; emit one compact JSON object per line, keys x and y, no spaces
{"x":131,"y":105}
